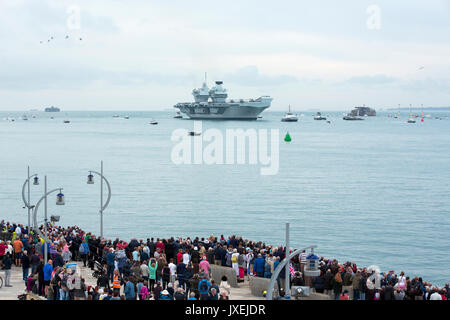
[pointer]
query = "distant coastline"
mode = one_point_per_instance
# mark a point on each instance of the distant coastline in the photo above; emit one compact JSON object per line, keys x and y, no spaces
{"x":425,"y":109}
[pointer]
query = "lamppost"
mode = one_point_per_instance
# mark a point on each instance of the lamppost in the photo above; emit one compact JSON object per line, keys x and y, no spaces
{"x":26,"y":201}
{"x":90,"y":180}
{"x":59,"y":201}
{"x":283,"y":263}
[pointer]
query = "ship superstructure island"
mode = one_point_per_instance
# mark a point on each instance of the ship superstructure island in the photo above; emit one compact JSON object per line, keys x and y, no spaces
{"x":213,"y":104}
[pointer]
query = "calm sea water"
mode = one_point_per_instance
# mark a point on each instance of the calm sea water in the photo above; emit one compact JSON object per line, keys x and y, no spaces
{"x":373,"y":191}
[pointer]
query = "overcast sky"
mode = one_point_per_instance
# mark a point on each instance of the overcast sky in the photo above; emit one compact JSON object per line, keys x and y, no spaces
{"x":148,"y":55}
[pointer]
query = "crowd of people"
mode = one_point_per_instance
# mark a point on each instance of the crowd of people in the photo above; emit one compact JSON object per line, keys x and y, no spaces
{"x":180,"y":268}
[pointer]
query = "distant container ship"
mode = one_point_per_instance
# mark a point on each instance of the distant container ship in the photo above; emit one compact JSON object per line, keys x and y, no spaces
{"x":52,"y":109}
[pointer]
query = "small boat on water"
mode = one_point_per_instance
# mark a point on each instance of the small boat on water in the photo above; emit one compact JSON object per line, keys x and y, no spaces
{"x":178,"y":115}
{"x":259,"y":117}
{"x":319,"y":116}
{"x":352,"y":118}
{"x":289,"y":117}
{"x":153,"y":122}
{"x":126,"y":117}
{"x":115,"y":116}
{"x":24,"y":117}
{"x":411,"y":119}
{"x":192,"y":133}
{"x":66,"y":121}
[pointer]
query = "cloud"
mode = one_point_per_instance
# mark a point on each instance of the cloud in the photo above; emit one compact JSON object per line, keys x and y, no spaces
{"x":250,"y":76}
{"x":378,"y":79}
{"x":78,"y":76}
{"x":310,"y":54}
{"x":430,"y":85}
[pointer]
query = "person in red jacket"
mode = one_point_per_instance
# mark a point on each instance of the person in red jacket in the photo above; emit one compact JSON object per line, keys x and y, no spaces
{"x":179,"y":256}
{"x":3,"y":248}
{"x":160,"y":245}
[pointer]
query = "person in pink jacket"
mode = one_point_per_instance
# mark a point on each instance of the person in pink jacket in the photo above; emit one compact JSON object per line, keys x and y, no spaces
{"x":204,"y":266}
{"x":144,"y":293}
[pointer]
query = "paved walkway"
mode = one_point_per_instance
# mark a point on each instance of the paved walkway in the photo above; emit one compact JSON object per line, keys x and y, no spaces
{"x":18,"y":285}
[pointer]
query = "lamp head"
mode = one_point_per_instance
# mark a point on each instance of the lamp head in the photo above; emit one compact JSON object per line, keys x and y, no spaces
{"x":90,"y":179}
{"x":60,"y":199}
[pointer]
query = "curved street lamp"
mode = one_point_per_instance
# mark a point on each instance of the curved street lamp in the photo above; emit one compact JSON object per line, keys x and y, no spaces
{"x":90,"y":180}
{"x":277,"y":271}
{"x":26,"y":201}
{"x":59,"y":201}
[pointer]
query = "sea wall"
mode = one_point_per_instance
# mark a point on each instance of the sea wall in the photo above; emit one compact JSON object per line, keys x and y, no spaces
{"x":259,"y":285}
{"x":217,"y":272}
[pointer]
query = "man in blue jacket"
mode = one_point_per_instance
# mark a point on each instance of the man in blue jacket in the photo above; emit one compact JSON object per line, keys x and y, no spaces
{"x":48,"y":269}
{"x":110,"y":257}
{"x":129,"y":291}
{"x":259,"y":266}
{"x":84,"y":251}
{"x":203,"y":288}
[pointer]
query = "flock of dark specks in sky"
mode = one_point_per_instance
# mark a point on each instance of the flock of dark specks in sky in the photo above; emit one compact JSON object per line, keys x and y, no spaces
{"x":51,"y":38}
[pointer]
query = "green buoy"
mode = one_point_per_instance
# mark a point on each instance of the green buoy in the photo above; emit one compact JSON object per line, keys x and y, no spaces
{"x":287,"y":138}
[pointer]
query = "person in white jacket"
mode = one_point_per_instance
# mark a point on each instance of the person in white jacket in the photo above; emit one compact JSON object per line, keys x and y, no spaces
{"x":224,"y":288}
{"x":234,"y":262}
{"x":436,"y":295}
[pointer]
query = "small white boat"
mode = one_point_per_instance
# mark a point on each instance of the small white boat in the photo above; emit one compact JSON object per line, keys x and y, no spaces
{"x":318,"y":116}
{"x":349,"y":117}
{"x":192,"y":133}
{"x":178,"y":115}
{"x":153,"y":122}
{"x":259,"y":117}
{"x":66,"y":121}
{"x":126,"y":117}
{"x":289,"y":117}
{"x":411,"y":119}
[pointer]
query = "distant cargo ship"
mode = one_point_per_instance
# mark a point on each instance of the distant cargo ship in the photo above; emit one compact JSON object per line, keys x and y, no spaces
{"x":52,"y":109}
{"x":363,"y":112}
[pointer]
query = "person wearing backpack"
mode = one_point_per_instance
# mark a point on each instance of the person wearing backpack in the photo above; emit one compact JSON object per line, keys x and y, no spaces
{"x":84,"y":252}
{"x":64,"y":290}
{"x":203,"y":288}
{"x":242,"y":266}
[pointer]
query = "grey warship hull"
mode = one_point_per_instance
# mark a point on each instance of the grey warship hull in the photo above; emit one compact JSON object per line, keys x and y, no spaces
{"x":223,"y":112}
{"x":212,"y":105}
